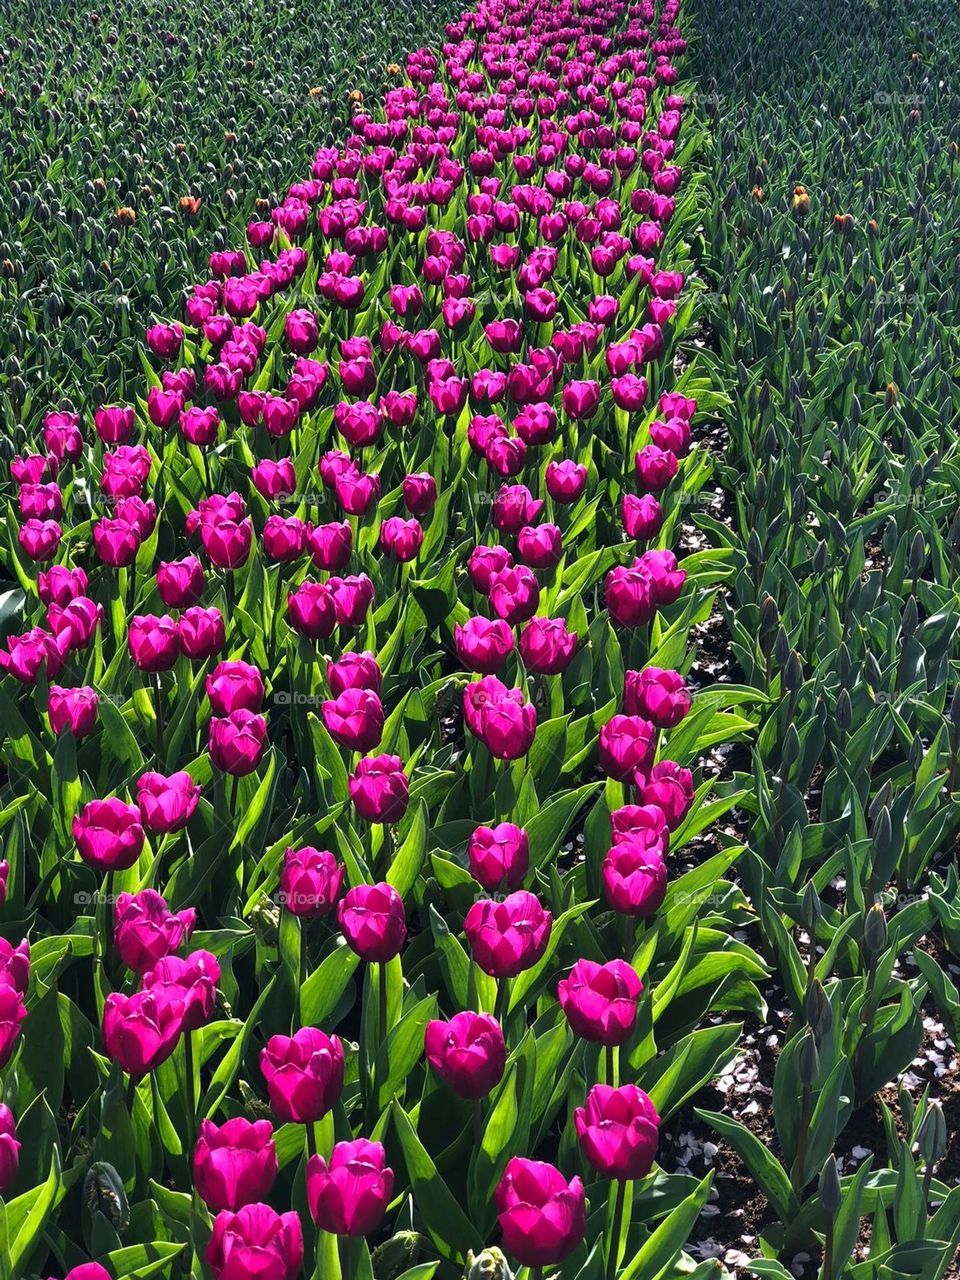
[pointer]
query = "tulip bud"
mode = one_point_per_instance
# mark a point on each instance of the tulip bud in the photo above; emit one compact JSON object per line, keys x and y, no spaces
{"x":396,"y":1255}
{"x":810,"y":908}
{"x":910,"y":618}
{"x":932,"y":1134}
{"x":103,"y":1191}
{"x":790,"y":752}
{"x":490,"y":1264}
{"x":843,"y":711}
{"x":793,"y":673}
{"x":809,"y":1061}
{"x":819,"y":1010}
{"x":829,"y":1187}
{"x":875,"y":930}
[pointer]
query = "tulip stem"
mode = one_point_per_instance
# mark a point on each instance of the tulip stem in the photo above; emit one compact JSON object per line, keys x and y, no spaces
{"x":158,"y":713}
{"x":346,"y":1261}
{"x":131,"y":1094}
{"x":477,"y":1122}
{"x":502,"y":1003}
{"x":629,"y":937}
{"x":611,"y":1071}
{"x":382,"y":1004}
{"x":104,"y":915}
{"x":190,"y":1096}
{"x":613,"y":1251}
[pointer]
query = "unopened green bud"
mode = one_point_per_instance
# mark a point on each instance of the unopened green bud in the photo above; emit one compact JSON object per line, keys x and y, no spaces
{"x":932,"y":1134}
{"x":829,"y":1187}
{"x":810,"y":908}
{"x":843,"y":711}
{"x":875,"y":930}
{"x":490,"y":1264}
{"x":819,"y":1010}
{"x":793,"y":673}
{"x":809,"y":1061}
{"x":396,"y":1255}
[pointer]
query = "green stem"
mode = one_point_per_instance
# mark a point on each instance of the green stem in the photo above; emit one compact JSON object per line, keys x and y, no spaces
{"x":613,"y":1251}
{"x":382,"y":1004}
{"x":502,"y":1003}
{"x":189,"y":1089}
{"x":611,"y":1069}
{"x":158,"y":712}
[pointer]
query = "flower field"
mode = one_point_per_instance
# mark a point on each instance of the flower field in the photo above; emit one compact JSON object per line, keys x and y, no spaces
{"x":479,"y":726}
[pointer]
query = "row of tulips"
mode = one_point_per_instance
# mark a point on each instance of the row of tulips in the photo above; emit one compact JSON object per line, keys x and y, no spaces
{"x":473,"y":696}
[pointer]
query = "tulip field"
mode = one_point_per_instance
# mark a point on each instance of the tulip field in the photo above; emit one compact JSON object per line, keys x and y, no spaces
{"x":480,"y":653}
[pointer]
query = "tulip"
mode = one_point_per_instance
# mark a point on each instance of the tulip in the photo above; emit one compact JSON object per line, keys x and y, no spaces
{"x":77,"y":621}
{"x":500,"y":718}
{"x":114,"y":423}
{"x":154,"y":642}
{"x":142,"y":1030}
{"x":542,"y":1216}
{"x":354,"y":671}
{"x":514,"y":594}
{"x":60,"y":585}
{"x":234,"y":1164}
{"x":540,"y":546}
{"x":192,"y":982}
{"x":349,"y":1195}
{"x":626,"y":743}
{"x":108,"y":834}
{"x":227,"y":542}
{"x":657,"y":695}
{"x":304,"y":1074}
{"x":669,"y":788}
{"x":483,"y":645}
{"x":656,"y":467}
{"x":618,"y":1130}
{"x":202,"y":632}
{"x":352,"y":598}
{"x":237,"y":741}
{"x":73,"y":709}
{"x":468,"y":1053}
{"x":379,"y":789}
{"x":301,"y":332}
{"x":355,"y":719}
{"x":485,"y":563}
{"x":310,"y":882}
{"x":311,"y":611}
{"x":499,"y":856}
{"x":15,"y":965}
{"x":35,"y":651}
{"x":600,"y":1000}
{"x":9,"y":1149}
{"x":330,"y":545}
{"x":581,"y":399}
{"x":12,"y":1013}
{"x":513,"y":507}
{"x":256,"y":1241}
{"x":634,"y":877}
{"x":546,"y":646}
{"x":40,"y":539}
{"x":116,"y":542}
{"x":284,"y":538}
{"x":274,"y":480}
{"x":509,"y":936}
{"x":166,"y":804}
{"x":373,"y":921}
{"x":401,"y":538}
{"x":145,"y":930}
{"x":666,"y":578}
{"x":180,"y":582}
